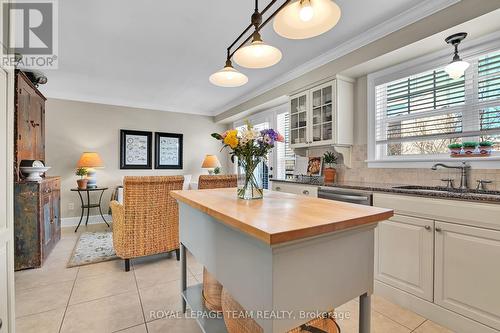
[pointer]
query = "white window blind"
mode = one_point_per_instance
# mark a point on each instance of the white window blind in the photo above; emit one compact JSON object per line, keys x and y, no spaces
{"x":423,"y":113}
{"x":285,"y":156}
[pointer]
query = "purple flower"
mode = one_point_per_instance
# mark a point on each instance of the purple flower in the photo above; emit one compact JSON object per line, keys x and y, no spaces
{"x":271,"y":133}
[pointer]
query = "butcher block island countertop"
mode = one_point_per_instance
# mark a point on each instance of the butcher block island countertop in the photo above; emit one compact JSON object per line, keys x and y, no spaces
{"x":280,"y":217}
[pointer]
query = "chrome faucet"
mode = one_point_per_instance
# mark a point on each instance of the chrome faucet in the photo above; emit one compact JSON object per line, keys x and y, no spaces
{"x":464,"y":177}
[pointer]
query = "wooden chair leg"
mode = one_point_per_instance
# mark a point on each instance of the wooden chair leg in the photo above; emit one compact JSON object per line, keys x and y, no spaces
{"x":127,"y":265}
{"x":178,"y":254}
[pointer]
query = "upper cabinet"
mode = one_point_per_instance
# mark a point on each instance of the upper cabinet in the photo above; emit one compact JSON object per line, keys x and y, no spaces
{"x":322,"y":115}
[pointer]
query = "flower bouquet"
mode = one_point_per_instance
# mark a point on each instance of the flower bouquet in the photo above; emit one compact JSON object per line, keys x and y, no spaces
{"x":251,"y":148}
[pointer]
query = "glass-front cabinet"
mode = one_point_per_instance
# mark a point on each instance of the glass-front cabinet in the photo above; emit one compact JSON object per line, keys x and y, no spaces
{"x":322,"y":115}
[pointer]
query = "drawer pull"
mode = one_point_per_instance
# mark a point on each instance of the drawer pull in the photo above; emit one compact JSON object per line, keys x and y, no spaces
{"x":278,"y":188}
{"x":427,"y":227}
{"x":438,"y":229}
{"x":306,"y":192}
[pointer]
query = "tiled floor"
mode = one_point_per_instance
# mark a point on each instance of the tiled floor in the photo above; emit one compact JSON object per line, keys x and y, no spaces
{"x":104,"y":298}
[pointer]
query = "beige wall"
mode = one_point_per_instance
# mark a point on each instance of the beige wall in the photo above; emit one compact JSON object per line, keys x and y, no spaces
{"x":74,"y":127}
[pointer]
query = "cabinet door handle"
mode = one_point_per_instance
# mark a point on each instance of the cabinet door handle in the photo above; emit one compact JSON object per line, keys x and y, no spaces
{"x":427,"y":227}
{"x":438,"y":229}
{"x":278,"y":188}
{"x":1,"y":323}
{"x":306,"y":192}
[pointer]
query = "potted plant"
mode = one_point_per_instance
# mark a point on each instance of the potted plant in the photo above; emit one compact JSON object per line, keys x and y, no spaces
{"x":329,"y":172}
{"x":82,"y":182}
{"x":217,"y":171}
{"x":455,"y":148}
{"x":469,"y":147}
{"x":485,"y":147}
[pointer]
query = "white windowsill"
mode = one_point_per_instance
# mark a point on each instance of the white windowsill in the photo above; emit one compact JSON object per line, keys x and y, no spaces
{"x":490,"y":162}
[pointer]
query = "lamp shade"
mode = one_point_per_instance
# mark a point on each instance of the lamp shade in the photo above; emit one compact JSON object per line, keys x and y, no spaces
{"x":210,"y":162}
{"x":257,"y":55}
{"x":306,"y":18}
{"x":228,"y":77}
{"x":456,"y":69}
{"x":90,"y":160}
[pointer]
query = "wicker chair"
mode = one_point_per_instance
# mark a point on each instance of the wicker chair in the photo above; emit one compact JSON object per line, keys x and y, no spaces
{"x":216,"y":181}
{"x":148,"y":221}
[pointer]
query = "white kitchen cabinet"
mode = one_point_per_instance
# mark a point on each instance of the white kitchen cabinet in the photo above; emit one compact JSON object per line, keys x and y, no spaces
{"x":322,"y":115}
{"x":307,"y":190}
{"x":467,"y":271}
{"x":404,"y":249}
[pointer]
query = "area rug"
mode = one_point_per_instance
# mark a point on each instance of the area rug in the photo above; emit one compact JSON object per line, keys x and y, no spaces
{"x":93,"y":247}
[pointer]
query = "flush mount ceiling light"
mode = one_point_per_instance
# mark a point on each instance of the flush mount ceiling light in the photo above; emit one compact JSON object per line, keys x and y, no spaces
{"x":294,"y":19}
{"x":228,"y":77}
{"x":456,"y":68}
{"x":306,"y":18}
{"x":257,"y":54}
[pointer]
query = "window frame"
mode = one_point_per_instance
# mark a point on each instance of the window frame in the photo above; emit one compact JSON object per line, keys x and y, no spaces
{"x":376,"y":156}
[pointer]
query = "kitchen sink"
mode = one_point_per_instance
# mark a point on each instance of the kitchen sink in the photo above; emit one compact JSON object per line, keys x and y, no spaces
{"x":441,"y":189}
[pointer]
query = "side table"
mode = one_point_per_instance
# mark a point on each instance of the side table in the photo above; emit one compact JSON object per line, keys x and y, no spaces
{"x":89,"y":205}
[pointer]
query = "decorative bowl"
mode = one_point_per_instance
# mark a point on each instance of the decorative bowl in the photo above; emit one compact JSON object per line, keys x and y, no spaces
{"x":34,"y":173}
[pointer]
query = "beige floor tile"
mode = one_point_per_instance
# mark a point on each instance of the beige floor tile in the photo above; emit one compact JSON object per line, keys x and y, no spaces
{"x":104,"y":315}
{"x":45,"y":322}
{"x":32,"y":278}
{"x":157,"y":272}
{"x":103,"y":285}
{"x":161,"y":300}
{"x":107,"y":267}
{"x":395,"y":312}
{"x":41,"y":299}
{"x":431,"y":327}
{"x":173,"y":325}
{"x":380,"y":324}
{"x":135,"y":329}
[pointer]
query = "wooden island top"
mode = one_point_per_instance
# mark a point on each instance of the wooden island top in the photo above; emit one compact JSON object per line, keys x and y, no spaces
{"x":280,"y":217}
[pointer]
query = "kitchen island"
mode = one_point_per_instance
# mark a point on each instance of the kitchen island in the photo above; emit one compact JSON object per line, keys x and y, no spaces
{"x":285,"y":254}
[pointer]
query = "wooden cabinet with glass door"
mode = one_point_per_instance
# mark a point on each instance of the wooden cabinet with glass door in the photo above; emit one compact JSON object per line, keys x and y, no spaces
{"x":322,"y":115}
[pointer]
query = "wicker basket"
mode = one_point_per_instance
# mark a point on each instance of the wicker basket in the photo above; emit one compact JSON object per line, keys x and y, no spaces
{"x":241,"y":324}
{"x":212,"y":291}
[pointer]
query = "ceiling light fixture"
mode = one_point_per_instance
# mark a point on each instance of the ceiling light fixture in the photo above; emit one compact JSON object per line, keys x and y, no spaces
{"x":228,"y":77}
{"x":303,"y":19}
{"x":456,"y":68}
{"x":294,"y":19}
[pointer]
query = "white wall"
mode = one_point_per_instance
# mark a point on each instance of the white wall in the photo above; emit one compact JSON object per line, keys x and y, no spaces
{"x":73,"y":127}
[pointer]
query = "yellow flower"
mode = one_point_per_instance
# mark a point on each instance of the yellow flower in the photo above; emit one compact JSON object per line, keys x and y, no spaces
{"x":231,"y":139}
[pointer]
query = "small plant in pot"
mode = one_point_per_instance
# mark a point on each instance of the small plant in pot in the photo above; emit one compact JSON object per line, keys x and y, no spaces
{"x":330,"y":159}
{"x":485,"y":147}
{"x":455,"y":148}
{"x":469,"y":147}
{"x":82,"y":182}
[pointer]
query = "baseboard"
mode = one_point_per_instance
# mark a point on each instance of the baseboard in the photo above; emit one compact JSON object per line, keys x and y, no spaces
{"x":436,"y":313}
{"x":93,"y":219}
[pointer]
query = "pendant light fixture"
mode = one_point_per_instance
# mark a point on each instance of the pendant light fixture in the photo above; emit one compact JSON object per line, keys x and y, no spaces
{"x":228,"y":77}
{"x":257,"y":54}
{"x":303,"y":19}
{"x":297,"y":19}
{"x":456,"y":68}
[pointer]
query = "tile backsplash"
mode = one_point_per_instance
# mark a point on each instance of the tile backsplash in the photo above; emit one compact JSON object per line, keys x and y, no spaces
{"x":361,"y":173}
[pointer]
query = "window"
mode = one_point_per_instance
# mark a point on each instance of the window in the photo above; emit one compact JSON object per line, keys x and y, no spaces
{"x":421,"y":114}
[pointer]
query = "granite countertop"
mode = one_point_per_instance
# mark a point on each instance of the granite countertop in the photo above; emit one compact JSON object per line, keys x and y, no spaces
{"x":415,"y":190}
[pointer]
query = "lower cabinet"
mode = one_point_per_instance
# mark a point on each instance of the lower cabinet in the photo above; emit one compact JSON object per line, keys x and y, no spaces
{"x":467,"y":271}
{"x":404,"y":252}
{"x":300,"y":189}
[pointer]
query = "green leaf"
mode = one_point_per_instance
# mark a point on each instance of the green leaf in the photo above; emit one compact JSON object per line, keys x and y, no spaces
{"x":217,"y":136}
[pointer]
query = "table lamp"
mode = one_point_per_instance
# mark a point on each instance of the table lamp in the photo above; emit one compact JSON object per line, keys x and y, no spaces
{"x":90,"y":161}
{"x":210,"y":162}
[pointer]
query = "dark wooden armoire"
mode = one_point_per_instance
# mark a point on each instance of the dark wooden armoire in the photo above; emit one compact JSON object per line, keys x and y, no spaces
{"x":37,"y":205}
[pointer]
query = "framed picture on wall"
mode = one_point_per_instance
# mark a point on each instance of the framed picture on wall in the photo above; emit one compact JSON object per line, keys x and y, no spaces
{"x":168,"y":150}
{"x":135,"y":149}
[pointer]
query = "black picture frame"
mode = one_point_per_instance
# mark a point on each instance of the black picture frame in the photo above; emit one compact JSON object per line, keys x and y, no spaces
{"x":125,"y":160}
{"x":158,"y":147}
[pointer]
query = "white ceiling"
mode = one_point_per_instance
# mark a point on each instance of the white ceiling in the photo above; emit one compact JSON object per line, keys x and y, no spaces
{"x":159,"y":54}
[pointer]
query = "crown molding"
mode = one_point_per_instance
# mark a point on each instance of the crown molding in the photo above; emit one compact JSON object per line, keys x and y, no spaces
{"x":410,"y":16}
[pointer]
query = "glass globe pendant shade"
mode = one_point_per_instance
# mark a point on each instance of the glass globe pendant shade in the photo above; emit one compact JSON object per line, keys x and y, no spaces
{"x":228,"y":77}
{"x":456,"y":69}
{"x":303,"y":19}
{"x":257,"y":54}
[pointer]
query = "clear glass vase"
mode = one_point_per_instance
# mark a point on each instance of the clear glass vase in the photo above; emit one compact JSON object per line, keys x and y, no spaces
{"x":250,"y":178}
